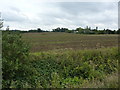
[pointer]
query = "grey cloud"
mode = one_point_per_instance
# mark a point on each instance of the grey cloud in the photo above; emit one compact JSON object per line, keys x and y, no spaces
{"x":85,"y":7}
{"x":78,"y":13}
{"x":90,"y":13}
{"x":15,"y":9}
{"x":64,"y":14}
{"x":14,"y":15}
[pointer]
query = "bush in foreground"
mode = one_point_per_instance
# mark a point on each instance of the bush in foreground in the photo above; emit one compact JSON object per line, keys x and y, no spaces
{"x":15,"y":64}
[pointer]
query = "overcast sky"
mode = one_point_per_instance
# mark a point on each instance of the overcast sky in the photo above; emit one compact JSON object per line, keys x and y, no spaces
{"x":32,"y":14}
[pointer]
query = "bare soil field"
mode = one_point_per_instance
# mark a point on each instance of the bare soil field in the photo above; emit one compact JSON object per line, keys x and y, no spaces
{"x":52,"y":40}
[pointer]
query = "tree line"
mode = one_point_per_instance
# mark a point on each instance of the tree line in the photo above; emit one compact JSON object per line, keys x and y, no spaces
{"x":78,"y":30}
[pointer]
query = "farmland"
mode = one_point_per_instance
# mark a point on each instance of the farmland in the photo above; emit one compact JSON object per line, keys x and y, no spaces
{"x":60,"y":60}
{"x":54,"y":40}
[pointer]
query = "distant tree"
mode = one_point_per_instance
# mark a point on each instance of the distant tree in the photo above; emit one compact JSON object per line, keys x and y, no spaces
{"x":100,"y":31}
{"x":87,"y":30}
{"x":60,"y":29}
{"x":7,"y":29}
{"x":118,"y":31}
{"x":109,"y":31}
{"x":96,"y":28}
{"x":33,"y":31}
{"x":69,"y":31}
{"x":39,"y":30}
{"x":56,"y":30}
{"x":87,"y":27}
{"x":80,"y":30}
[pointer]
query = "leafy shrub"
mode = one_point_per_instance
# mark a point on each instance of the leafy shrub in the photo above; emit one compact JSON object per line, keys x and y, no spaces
{"x":16,"y":66}
{"x":45,"y":68}
{"x":74,"y":82}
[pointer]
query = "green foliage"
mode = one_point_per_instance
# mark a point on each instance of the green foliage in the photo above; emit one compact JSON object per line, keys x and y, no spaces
{"x":16,"y":66}
{"x":95,"y":31}
{"x":73,"y":68}
{"x":45,"y":68}
{"x":56,"y":80}
{"x":60,"y":29}
{"x":74,"y":82}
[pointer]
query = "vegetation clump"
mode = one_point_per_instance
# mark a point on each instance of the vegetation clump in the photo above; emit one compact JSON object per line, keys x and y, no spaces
{"x":15,"y":63}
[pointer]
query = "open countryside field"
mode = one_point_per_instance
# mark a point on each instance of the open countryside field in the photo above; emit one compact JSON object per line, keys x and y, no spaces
{"x":59,"y":60}
{"x":53,"y":40}
{"x":66,"y":60}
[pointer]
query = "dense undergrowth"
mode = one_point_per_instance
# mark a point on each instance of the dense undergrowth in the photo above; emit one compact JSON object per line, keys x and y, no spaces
{"x":70,"y":68}
{"x":63,"y":68}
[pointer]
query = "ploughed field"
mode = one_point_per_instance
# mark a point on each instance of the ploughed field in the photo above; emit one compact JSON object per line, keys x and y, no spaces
{"x":53,"y":40}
